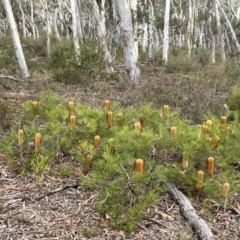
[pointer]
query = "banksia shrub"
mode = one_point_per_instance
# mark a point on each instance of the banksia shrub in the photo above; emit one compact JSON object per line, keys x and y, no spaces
{"x":88,"y":164}
{"x":210,"y":165}
{"x":225,"y":189}
{"x":96,"y":142}
{"x":37,"y":142}
{"x":173,"y":131}
{"x":109,"y":118}
{"x":166,"y":111}
{"x":72,"y":121}
{"x":35,"y":107}
{"x":20,"y":137}
{"x":139,"y":166}
{"x":185,"y":162}
{"x":200,"y":178}
{"x":70,"y":108}
{"x":138,"y":126}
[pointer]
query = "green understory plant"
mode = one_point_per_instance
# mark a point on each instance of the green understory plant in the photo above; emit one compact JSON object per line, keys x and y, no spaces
{"x":126,"y":154}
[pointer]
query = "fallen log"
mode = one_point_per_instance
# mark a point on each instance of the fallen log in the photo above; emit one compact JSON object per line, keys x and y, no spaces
{"x":188,"y":212}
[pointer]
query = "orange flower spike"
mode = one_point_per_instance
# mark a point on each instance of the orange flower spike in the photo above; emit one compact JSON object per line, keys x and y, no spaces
{"x":209,"y":123}
{"x":120,"y":115}
{"x":70,"y":108}
{"x":210,"y":166}
{"x":225,"y":189}
{"x":185,"y":162}
{"x":223,"y":120}
{"x":205,"y":129}
{"x":88,"y":164}
{"x":120,"y":118}
{"x":215,"y":143}
{"x":229,"y":129}
{"x":200,"y":178}
{"x":35,"y":106}
{"x":20,"y":137}
{"x":37,"y":142}
{"x":109,"y":118}
{"x":209,"y":139}
{"x":96,"y":142}
{"x":138,"y":126}
{"x":106,"y":105}
{"x":166,"y":111}
{"x":72,"y":121}
{"x":139,"y":166}
{"x":173,"y":131}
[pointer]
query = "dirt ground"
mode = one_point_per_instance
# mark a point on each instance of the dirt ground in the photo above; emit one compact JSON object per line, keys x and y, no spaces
{"x":71,"y":213}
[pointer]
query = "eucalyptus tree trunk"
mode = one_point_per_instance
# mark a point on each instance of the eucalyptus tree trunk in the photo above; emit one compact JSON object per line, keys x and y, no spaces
{"x":151,"y":42}
{"x":114,"y":30}
{"x":126,"y":31}
{"x":210,"y":33}
{"x":195,"y":23}
{"x":230,"y":27}
{"x":32,"y":20}
{"x":220,"y":34}
{"x":75,"y":19}
{"x":189,"y":28}
{"x":133,"y":4}
{"x":81,"y":20}
{"x":23,"y":18}
{"x":166,"y":32}
{"x":147,"y":28}
{"x":213,"y":60}
{"x":46,"y":8}
{"x":55,"y":27}
{"x":15,"y":39}
{"x":101,"y":34}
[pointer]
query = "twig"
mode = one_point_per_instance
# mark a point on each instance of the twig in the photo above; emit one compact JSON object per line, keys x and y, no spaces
{"x":188,"y":211}
{"x":155,"y":221}
{"x":56,"y":191}
{"x":125,"y":172}
{"x":9,"y":77}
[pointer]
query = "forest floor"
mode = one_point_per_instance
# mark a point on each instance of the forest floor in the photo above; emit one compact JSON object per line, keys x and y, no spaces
{"x":71,"y":213}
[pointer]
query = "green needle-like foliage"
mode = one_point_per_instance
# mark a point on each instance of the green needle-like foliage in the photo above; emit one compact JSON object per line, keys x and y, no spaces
{"x":124,"y":194}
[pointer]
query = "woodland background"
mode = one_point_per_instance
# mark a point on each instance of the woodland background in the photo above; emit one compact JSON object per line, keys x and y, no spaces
{"x":181,"y":53}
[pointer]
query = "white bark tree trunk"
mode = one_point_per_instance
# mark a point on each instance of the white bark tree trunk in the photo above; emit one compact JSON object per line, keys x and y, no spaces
{"x":230,"y":26}
{"x":220,"y":34}
{"x":55,"y":23}
{"x":126,"y":31}
{"x":189,"y":28}
{"x":74,"y":27}
{"x":15,"y":38}
{"x":133,"y":4}
{"x":23,"y":18}
{"x":166,"y":32}
{"x":101,"y":34}
{"x":32,"y":20}
{"x":114,"y":30}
